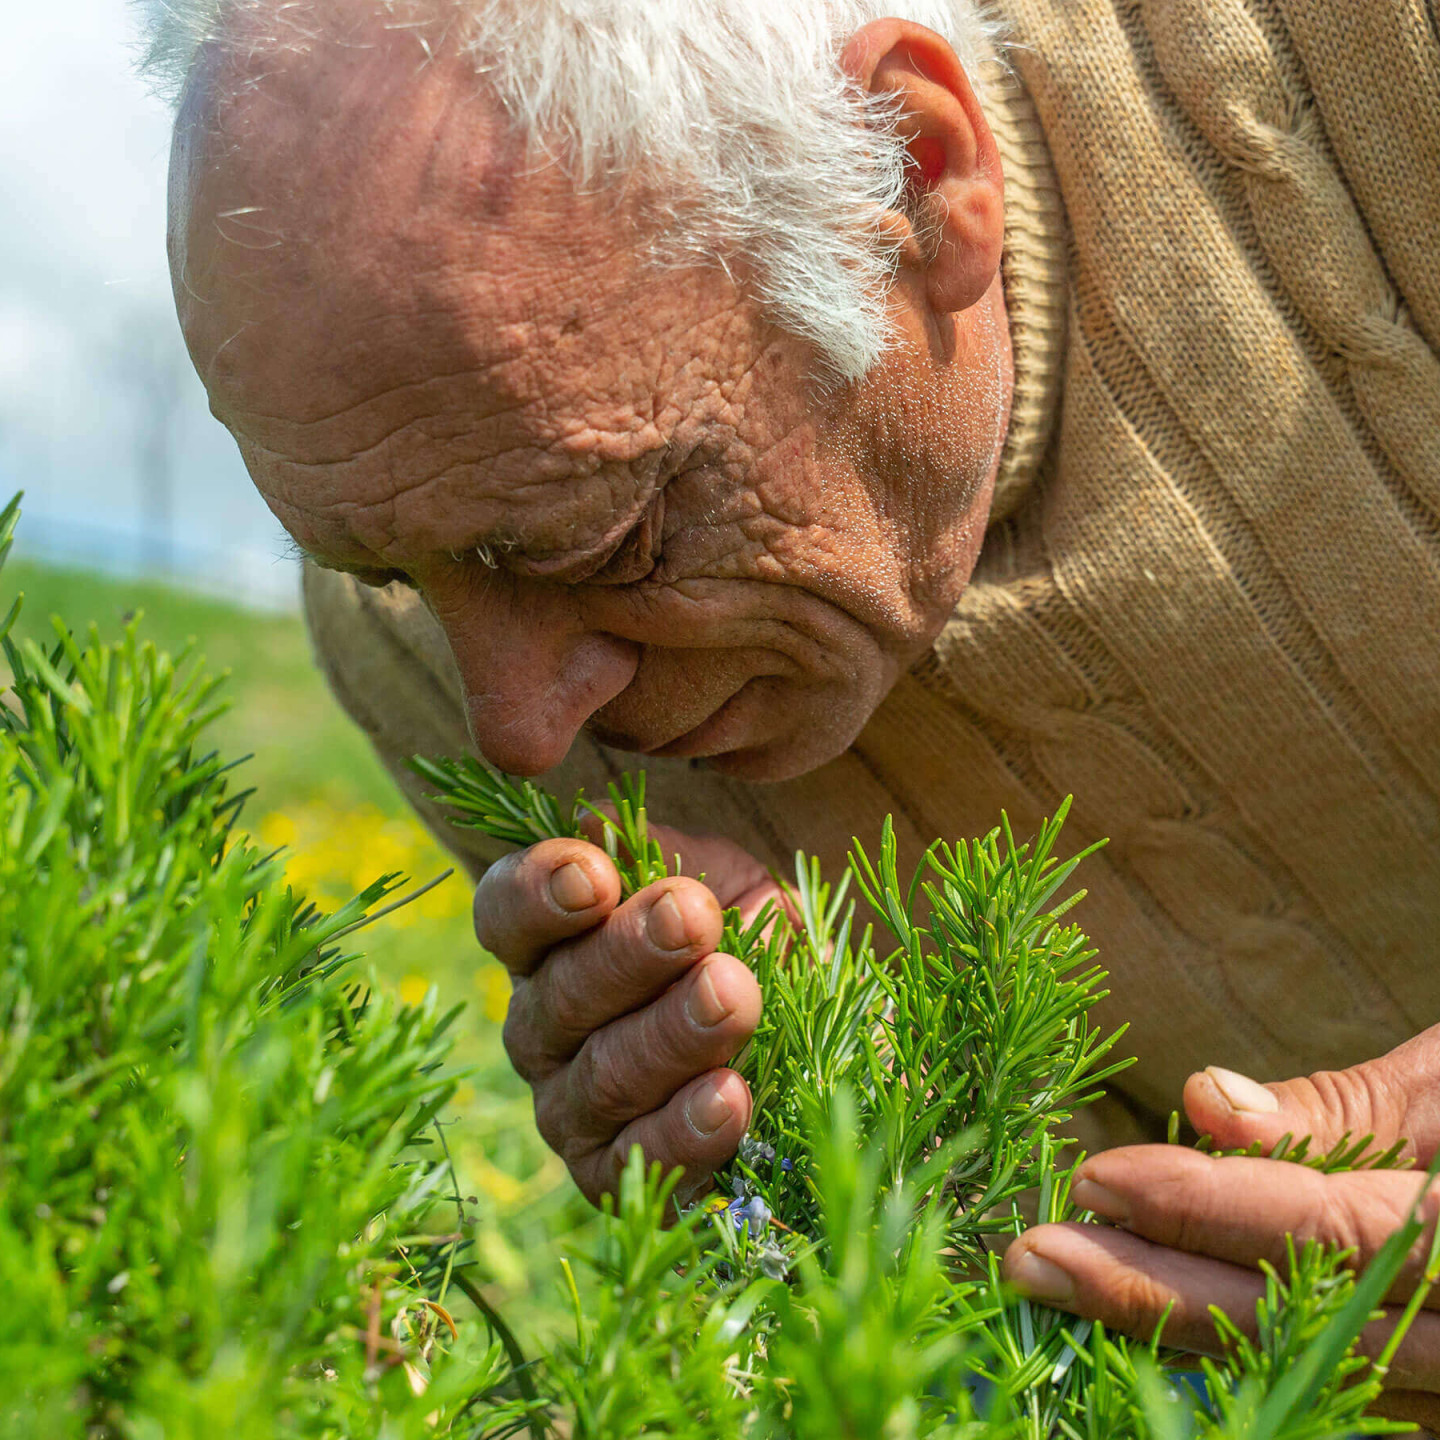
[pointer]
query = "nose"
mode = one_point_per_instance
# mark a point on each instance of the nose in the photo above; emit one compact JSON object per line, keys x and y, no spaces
{"x":532,"y":672}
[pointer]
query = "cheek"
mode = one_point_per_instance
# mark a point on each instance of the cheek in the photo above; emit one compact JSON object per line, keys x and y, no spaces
{"x":793,"y":630}
{"x":757,"y":518}
{"x":675,"y":689}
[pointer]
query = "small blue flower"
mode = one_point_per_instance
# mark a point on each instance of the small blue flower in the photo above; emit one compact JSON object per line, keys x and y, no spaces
{"x":773,"y":1262}
{"x":756,"y":1153}
{"x":753,"y":1212}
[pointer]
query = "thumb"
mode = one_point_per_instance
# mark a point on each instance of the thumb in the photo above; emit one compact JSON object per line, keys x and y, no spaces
{"x":1392,"y":1098}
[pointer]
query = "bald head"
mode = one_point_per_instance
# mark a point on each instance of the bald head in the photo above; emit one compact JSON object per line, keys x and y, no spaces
{"x":355,"y":187}
{"x":451,"y":363}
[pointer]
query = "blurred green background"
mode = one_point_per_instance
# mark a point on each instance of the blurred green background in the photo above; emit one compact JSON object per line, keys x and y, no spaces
{"x":320,"y":793}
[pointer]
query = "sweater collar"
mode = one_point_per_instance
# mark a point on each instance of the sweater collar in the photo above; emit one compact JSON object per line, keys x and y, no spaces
{"x":1033,"y":272}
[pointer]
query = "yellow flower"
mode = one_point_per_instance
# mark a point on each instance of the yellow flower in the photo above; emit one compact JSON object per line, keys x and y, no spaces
{"x":493,"y":983}
{"x":337,"y":851}
{"x":414,"y":989}
{"x":277,"y":830}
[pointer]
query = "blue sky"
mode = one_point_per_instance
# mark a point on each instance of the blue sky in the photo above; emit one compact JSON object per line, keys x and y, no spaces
{"x":87,"y":328}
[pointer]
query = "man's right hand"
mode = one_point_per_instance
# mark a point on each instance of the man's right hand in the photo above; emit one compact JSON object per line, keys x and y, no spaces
{"x":623,"y":1016}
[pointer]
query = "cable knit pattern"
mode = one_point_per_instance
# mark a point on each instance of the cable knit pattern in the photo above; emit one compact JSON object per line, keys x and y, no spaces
{"x":1209,"y":602}
{"x":1216,"y":60}
{"x":1236,"y":542}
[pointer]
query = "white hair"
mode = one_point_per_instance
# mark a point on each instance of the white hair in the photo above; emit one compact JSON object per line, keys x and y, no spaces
{"x":738,"y":106}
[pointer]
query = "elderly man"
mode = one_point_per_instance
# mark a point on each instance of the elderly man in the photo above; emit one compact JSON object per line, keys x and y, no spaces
{"x":854,"y":409}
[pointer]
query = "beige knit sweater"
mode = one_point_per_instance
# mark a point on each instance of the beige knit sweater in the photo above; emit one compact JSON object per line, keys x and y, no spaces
{"x":1209,"y":602}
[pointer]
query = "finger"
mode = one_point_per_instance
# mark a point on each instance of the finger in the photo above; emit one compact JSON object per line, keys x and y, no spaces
{"x":1412,"y":1405}
{"x":734,"y":875}
{"x":634,"y":1065}
{"x":698,"y":1129}
{"x":1241,"y":1210}
{"x":636,"y":955}
{"x":1395,"y":1097}
{"x":1416,"y":1364}
{"x":1129,"y":1284}
{"x":532,"y":899}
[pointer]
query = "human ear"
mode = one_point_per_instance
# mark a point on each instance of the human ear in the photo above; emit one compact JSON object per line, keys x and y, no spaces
{"x":954,"y":227}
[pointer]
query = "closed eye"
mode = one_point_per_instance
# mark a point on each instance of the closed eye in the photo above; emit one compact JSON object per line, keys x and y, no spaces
{"x":375,"y":576}
{"x":379,"y":579}
{"x":639,"y":552}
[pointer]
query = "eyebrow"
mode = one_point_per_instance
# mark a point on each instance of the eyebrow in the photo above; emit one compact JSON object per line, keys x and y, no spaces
{"x":575,"y":572}
{"x":565,"y":574}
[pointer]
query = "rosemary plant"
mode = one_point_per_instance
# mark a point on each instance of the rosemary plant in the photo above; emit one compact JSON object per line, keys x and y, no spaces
{"x":226,"y":1206}
{"x":219,"y":1166}
{"x":907,"y":1090}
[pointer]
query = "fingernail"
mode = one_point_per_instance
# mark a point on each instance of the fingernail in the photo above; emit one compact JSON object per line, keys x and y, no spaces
{"x":1242,"y":1092}
{"x":666,"y":925}
{"x":704,"y":1005}
{"x":572,"y":888}
{"x":708,"y":1110}
{"x":1041,"y":1279}
{"x":1091,"y":1195}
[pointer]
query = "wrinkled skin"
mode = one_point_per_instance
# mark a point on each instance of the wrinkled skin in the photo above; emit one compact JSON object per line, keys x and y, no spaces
{"x":1190,"y":1231}
{"x":623,"y":1015}
{"x":425,"y":341}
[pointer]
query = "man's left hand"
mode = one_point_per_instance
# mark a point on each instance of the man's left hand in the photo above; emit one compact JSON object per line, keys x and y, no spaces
{"x":1193,"y":1228}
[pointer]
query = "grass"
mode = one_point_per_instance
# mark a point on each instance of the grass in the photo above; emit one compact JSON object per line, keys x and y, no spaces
{"x":321,"y":793}
{"x":304,"y":748}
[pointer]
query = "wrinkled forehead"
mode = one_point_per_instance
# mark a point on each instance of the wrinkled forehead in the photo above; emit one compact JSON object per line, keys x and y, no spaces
{"x":390,"y":298}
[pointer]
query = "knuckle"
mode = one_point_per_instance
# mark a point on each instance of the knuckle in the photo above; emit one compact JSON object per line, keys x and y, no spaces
{"x":659,"y":1033}
{"x":565,"y":1002}
{"x":603,"y":1081}
{"x":552,"y":1120}
{"x":1361,"y":1217}
{"x":1135,"y":1300}
{"x":517,"y":1035}
{"x":514,"y":1035}
{"x":1358,"y":1100}
{"x":1182,"y":1209}
{"x":1335,"y":1219}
